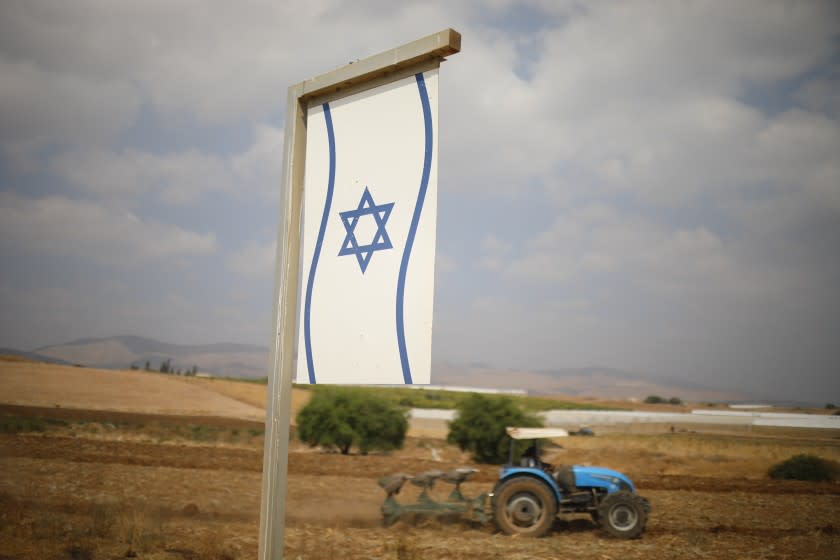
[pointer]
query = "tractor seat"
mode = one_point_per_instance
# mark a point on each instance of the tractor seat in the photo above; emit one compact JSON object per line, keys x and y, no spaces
{"x":565,"y":477}
{"x":528,"y":462}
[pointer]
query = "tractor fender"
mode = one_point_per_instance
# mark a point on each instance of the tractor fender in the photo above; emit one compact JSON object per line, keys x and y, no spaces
{"x":538,"y":474}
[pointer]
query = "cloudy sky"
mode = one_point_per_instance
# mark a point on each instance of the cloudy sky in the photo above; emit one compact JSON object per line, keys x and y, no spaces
{"x":649,"y":186}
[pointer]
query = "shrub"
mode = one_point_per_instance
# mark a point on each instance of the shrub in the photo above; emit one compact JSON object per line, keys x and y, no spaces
{"x":806,"y":467}
{"x":656,"y":399}
{"x":480,"y":427}
{"x":14,"y":425}
{"x":344,"y":418}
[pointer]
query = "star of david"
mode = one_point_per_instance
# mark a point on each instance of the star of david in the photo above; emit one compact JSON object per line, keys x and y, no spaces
{"x":380,"y":241}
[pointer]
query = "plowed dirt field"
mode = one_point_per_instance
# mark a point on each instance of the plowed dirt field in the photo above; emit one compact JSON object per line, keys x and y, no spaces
{"x":72,"y":496}
{"x":84,"y":484}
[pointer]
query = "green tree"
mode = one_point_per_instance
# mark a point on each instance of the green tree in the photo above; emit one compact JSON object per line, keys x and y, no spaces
{"x":654,"y":399}
{"x":166,"y":365}
{"x":806,"y":467}
{"x":480,"y":427}
{"x":344,"y":418}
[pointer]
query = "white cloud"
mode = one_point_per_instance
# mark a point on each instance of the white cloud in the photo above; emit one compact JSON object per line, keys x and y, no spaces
{"x":58,"y":226}
{"x":494,"y":252}
{"x":670,"y":262}
{"x":216,"y":63}
{"x":822,"y":94}
{"x":175,"y":178}
{"x":254,"y":260}
{"x":636,"y":98}
{"x":444,"y":265}
{"x":40,"y":108}
{"x":258,"y":170}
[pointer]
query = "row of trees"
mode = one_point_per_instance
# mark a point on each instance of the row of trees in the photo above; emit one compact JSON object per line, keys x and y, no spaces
{"x":656,"y":399}
{"x":343,"y":418}
{"x":167,"y":367}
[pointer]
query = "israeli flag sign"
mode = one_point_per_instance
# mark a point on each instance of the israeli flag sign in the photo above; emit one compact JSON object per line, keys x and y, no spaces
{"x":368,"y":248}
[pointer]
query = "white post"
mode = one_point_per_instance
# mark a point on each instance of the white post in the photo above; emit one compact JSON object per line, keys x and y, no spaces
{"x":278,"y":410}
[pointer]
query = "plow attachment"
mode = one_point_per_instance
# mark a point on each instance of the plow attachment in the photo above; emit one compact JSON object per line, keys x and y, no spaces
{"x":456,"y":504}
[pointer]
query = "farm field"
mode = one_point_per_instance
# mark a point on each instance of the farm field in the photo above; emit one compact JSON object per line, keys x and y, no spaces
{"x":93,"y":482}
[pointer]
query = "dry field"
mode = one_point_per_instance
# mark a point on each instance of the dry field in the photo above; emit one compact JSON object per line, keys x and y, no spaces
{"x":104,"y":481}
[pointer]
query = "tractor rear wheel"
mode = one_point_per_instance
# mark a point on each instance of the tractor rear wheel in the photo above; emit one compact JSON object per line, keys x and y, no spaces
{"x":623,"y":515}
{"x":524,"y":506}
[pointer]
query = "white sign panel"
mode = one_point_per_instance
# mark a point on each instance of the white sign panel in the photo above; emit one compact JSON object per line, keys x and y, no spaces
{"x":368,"y":253}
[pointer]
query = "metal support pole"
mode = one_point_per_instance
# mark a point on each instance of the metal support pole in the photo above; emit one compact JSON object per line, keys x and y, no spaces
{"x":278,"y":411}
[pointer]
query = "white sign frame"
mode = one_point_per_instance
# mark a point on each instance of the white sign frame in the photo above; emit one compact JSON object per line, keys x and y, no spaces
{"x":417,"y":56}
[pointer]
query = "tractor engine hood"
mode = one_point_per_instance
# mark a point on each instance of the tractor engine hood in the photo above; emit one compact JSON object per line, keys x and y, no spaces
{"x":600,"y":477}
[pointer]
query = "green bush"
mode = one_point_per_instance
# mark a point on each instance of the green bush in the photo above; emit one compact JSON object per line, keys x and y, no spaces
{"x":14,"y":425}
{"x":18,"y":424}
{"x":480,"y":427}
{"x":343,"y":418}
{"x":806,"y":467}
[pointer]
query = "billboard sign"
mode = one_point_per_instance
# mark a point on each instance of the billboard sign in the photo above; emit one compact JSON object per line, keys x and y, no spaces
{"x":368,"y":237}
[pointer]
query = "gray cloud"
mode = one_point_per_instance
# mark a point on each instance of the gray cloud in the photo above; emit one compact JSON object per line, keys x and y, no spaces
{"x":683,"y":159}
{"x":255,"y":260}
{"x":60,"y":226}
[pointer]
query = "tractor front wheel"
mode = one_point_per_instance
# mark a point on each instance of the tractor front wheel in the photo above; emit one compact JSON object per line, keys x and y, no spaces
{"x":524,"y":506}
{"x":623,"y":515}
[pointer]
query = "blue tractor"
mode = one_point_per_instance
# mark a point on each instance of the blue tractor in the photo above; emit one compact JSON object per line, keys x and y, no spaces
{"x":528,"y":496}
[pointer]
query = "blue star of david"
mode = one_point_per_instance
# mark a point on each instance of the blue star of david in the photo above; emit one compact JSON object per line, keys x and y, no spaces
{"x":381,"y":241}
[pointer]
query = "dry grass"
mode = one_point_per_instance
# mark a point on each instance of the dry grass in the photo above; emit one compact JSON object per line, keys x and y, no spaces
{"x":31,"y":529}
{"x":709,"y":455}
{"x":253,"y":394}
{"x":47,"y":385}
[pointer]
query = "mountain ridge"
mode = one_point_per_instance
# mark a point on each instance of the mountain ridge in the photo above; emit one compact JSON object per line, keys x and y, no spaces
{"x":251,"y":361}
{"x":142,"y":343}
{"x":225,"y":358}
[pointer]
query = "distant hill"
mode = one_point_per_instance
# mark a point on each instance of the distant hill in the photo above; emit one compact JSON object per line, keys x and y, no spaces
{"x":33,"y":357}
{"x":247,"y":360}
{"x":591,"y":382}
{"x":225,"y":359}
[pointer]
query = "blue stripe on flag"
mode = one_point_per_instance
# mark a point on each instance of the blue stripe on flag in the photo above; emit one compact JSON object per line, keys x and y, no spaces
{"x":415,"y":219}
{"x":327,"y":203}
